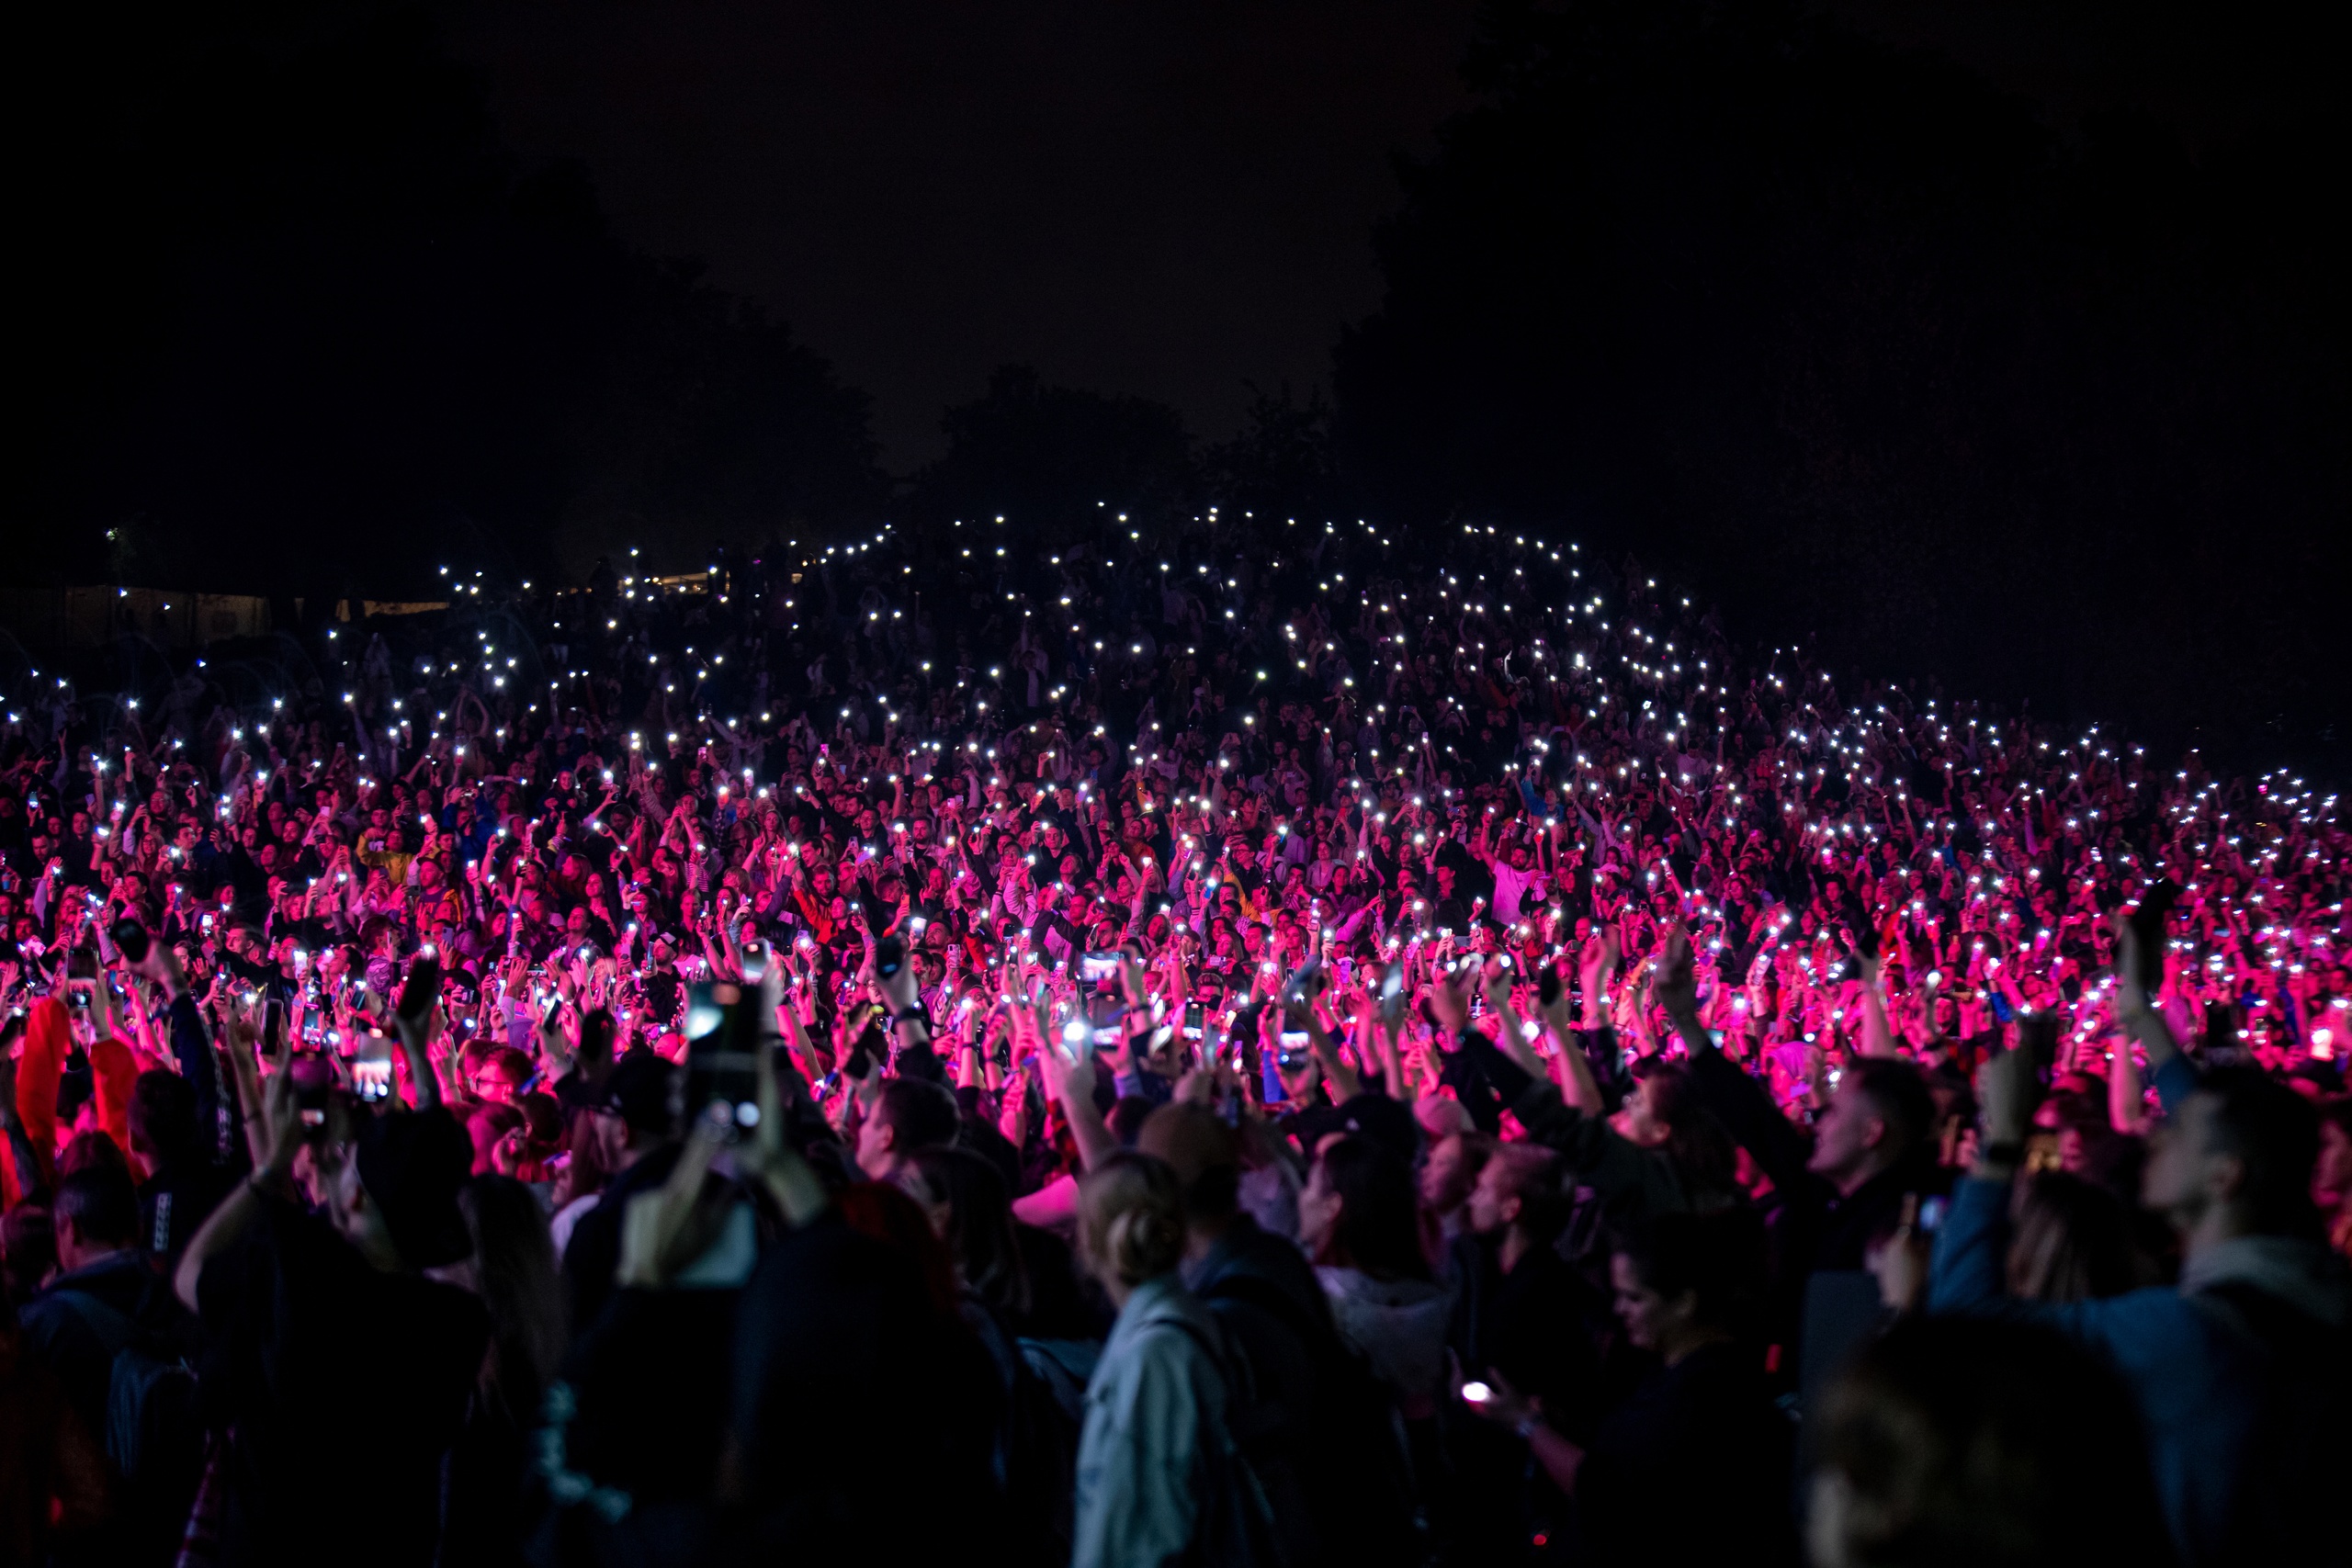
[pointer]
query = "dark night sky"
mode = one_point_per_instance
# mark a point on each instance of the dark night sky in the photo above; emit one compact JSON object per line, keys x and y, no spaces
{"x":1158,"y":199}
{"x":1164,"y":199}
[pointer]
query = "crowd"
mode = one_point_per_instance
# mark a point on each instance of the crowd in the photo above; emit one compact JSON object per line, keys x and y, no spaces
{"x":1281,"y":1046}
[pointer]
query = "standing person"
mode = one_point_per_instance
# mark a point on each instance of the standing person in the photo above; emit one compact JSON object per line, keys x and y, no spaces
{"x":1519,"y":1315}
{"x":514,"y":1271}
{"x":1359,"y":1223}
{"x":1158,"y":1478}
{"x":2242,"y":1371}
{"x":325,"y":1325}
{"x":106,"y":1306}
{"x":635,"y":1122}
{"x":1707,"y":1411}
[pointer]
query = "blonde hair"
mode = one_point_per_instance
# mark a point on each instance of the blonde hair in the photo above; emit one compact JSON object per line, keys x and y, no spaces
{"x":1131,"y":1217}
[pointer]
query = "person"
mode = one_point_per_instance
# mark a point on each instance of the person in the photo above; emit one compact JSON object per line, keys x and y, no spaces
{"x":635,"y":1128}
{"x":1834,"y":1201}
{"x":1960,"y":1440}
{"x":907,"y":1115}
{"x":1321,"y":1436}
{"x":1159,"y":1480}
{"x":103,"y":1292}
{"x":2241,"y":1371}
{"x":327,"y":1323}
{"x":511,"y":1267}
{"x":53,"y":1495}
{"x":1827,"y":885}
{"x":1357,"y":1222}
{"x":183,"y":1181}
{"x":1683,"y":1284}
{"x":1520,"y":1317}
{"x":106,"y":1312}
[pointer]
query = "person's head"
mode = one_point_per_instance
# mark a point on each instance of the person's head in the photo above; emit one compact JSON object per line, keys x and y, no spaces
{"x":395,"y":1197}
{"x":1967,"y":1440}
{"x":2071,"y":1242}
{"x":1450,"y":1173}
{"x":1520,"y":1189}
{"x":27,"y":1251}
{"x":909,"y":1114}
{"x":1682,"y":1281}
{"x":887,"y":1212}
{"x":966,"y":1199}
{"x":1130,"y":1221}
{"x":516,"y":1272}
{"x":164,"y":1129}
{"x":1359,"y":1211}
{"x":1206,"y":1155}
{"x":2236,"y":1159}
{"x":636,"y":1112}
{"x":500,"y":1076}
{"x":1880,"y":1112}
{"x":95,"y":1213}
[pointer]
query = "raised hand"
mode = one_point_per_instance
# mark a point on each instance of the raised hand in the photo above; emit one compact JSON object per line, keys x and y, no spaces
{"x":1673,"y":980}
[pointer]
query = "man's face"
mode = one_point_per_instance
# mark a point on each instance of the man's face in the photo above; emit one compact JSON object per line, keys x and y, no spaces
{"x":1849,"y":1131}
{"x":2176,"y":1181}
{"x":876,"y":1142}
{"x":496,"y":1083}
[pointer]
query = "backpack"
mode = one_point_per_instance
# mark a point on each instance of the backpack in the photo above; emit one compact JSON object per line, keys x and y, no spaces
{"x":154,"y":1437}
{"x":1358,"y":1469}
{"x":1237,"y":1523}
{"x":1049,"y":1410}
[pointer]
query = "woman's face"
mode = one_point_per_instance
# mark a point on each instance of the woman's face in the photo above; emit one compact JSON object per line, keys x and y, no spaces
{"x":1649,"y":1318}
{"x":1319,"y":1211}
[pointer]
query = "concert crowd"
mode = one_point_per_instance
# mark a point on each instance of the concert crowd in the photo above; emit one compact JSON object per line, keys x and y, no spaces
{"x":1280,"y":1045}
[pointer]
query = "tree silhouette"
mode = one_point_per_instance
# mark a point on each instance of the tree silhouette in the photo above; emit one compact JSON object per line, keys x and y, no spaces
{"x":306,"y":322}
{"x":1056,"y":462}
{"x":1880,"y":358}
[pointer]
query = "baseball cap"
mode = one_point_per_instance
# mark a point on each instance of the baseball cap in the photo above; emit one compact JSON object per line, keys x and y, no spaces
{"x":637,"y":1090}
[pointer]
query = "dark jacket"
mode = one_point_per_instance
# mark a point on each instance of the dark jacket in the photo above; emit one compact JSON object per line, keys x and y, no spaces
{"x":1693,"y":1468}
{"x":82,"y":1319}
{"x":1277,"y":1319}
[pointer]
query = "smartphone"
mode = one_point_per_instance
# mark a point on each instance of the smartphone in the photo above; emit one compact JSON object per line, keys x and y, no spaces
{"x":1195,"y":1018}
{"x":755,"y":960}
{"x":889,"y":957}
{"x":722,"y":1032}
{"x":1296,"y":1048}
{"x":1392,"y":994}
{"x":131,"y":939}
{"x":372,"y":1066}
{"x":1098,"y":966}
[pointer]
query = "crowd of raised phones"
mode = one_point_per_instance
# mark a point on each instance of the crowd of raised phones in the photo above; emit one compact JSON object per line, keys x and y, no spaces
{"x":1290,"y":1046}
